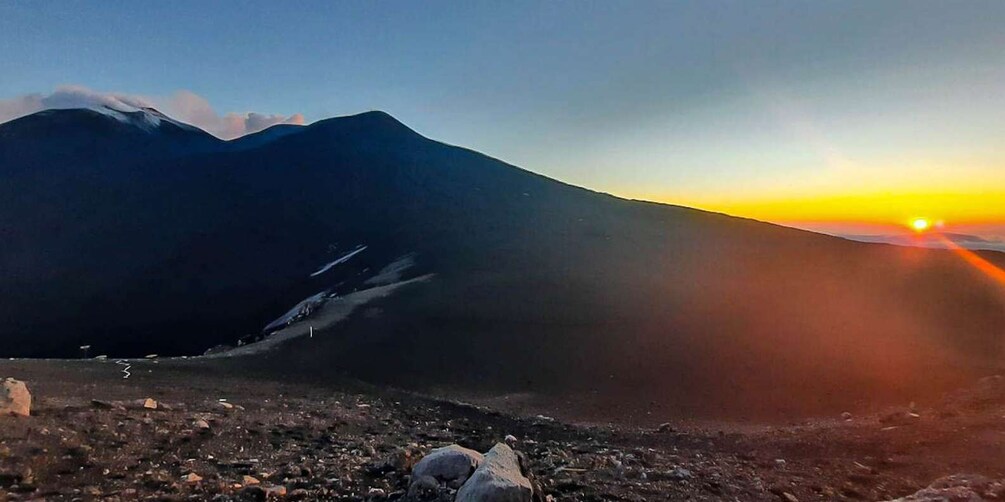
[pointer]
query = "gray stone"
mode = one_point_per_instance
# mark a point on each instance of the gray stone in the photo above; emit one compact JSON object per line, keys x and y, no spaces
{"x":680,"y":473}
{"x":14,"y":398}
{"x":498,"y":479}
{"x":423,"y":487}
{"x":450,"y":465}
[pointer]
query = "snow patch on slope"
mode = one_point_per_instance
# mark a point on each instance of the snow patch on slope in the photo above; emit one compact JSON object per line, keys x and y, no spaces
{"x":147,"y":119}
{"x":302,"y":309}
{"x":393,"y":271}
{"x":344,"y":258}
{"x":328,"y":313}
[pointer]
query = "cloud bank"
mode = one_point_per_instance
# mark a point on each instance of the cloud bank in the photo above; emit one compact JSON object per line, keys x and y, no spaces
{"x":184,"y":106}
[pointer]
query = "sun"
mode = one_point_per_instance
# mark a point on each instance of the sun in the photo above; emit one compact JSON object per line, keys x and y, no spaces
{"x":921,"y":224}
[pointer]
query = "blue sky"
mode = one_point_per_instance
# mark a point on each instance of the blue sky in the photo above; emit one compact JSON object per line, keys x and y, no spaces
{"x":726,"y":105}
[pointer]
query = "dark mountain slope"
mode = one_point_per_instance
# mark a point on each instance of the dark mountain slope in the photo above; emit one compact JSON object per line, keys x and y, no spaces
{"x":84,"y":138}
{"x":263,"y":137}
{"x":175,"y":247}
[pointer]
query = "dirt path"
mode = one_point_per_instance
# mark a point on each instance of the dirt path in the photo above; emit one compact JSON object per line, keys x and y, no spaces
{"x":91,"y":438}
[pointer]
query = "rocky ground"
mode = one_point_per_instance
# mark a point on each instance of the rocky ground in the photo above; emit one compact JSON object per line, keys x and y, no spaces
{"x":190,"y":430}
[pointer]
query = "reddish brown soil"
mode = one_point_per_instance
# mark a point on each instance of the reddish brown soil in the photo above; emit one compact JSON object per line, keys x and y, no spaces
{"x":350,"y":441}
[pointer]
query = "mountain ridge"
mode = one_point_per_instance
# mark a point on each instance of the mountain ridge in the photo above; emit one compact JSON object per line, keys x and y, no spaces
{"x":150,"y":246}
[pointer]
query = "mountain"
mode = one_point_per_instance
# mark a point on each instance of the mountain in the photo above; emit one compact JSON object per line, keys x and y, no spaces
{"x":416,"y":263}
{"x":263,"y":137}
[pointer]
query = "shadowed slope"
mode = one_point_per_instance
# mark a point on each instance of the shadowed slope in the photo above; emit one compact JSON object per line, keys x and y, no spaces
{"x":538,"y":285}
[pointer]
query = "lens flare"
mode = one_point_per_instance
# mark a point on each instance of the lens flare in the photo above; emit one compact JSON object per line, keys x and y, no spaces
{"x":987,"y":268}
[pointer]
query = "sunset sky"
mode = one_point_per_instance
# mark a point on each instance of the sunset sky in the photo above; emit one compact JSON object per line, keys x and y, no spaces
{"x":845,"y":117}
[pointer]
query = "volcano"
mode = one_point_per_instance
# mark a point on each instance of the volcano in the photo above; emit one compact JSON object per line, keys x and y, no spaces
{"x":356,"y":246}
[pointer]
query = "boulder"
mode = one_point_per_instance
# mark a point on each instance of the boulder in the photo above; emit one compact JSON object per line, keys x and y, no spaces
{"x":423,"y":488}
{"x":14,"y":398}
{"x":450,"y":465}
{"x":498,"y":479}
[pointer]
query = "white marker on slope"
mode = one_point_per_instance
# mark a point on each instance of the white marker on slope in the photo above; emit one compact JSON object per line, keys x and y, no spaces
{"x":125,"y":371}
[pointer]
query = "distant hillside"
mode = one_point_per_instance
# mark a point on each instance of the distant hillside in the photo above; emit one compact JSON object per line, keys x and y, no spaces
{"x":137,"y":238}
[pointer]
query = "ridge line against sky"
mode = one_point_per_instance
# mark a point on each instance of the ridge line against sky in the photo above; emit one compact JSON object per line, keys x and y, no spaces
{"x":830,"y":115}
{"x":182,"y":105}
{"x":195,"y":110}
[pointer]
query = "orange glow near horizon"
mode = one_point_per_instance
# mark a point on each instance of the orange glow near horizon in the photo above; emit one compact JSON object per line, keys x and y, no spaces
{"x":876,"y":211}
{"x":871,"y":208}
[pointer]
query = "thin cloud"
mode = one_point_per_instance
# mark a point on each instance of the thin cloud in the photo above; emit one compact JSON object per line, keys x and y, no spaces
{"x":196,"y":110}
{"x":185,"y":106}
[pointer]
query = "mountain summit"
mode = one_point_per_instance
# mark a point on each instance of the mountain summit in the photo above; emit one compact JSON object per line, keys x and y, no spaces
{"x":369,"y":250}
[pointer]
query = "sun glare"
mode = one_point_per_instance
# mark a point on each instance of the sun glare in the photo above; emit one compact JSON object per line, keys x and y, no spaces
{"x":921,"y":224}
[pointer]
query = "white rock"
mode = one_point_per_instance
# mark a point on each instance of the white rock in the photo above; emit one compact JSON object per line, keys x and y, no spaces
{"x":451,"y":465}
{"x":15,"y":398}
{"x":498,"y":479}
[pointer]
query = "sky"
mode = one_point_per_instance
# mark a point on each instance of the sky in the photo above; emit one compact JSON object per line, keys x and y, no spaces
{"x":846,"y":117}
